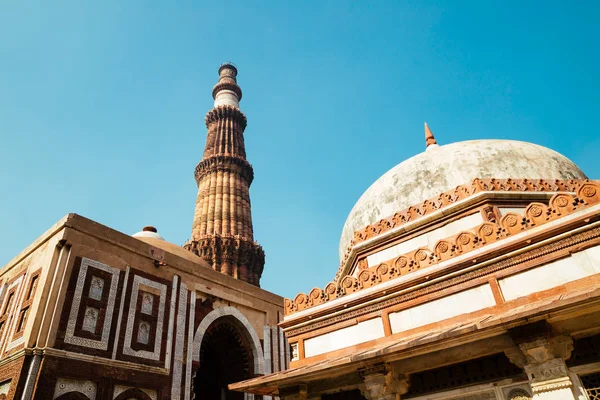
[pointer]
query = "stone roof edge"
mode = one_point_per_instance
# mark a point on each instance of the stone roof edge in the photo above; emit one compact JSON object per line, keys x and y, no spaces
{"x":570,"y":212}
{"x":448,"y":211}
{"x":339,"y":305}
{"x":90,"y":227}
{"x":449,"y":202}
{"x":43,"y":238}
{"x":84,"y":225}
{"x":346,"y":363}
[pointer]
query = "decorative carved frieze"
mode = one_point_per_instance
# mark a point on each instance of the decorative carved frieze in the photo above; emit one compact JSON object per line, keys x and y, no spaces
{"x":453,"y":196}
{"x":566,"y":243}
{"x":234,"y":256}
{"x":535,"y":214}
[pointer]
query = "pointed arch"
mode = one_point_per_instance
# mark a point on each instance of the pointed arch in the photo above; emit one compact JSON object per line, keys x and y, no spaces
{"x":133,"y":394}
{"x":248,"y":331}
{"x":73,"y":396}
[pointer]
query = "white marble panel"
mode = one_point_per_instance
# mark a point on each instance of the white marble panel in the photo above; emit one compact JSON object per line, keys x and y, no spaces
{"x":143,"y":335}
{"x":428,"y":239}
{"x":179,"y":343}
{"x":88,"y":388}
{"x":577,"y":266}
{"x":96,"y":288}
{"x":190,"y":346}
{"x":147,"y":303}
{"x":90,"y":319}
{"x":171,"y":322}
{"x":345,"y":337}
{"x":447,"y":307}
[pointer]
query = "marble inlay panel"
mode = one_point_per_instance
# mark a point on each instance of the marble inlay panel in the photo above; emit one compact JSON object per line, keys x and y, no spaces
{"x":63,"y":385}
{"x":90,"y":319}
{"x":96,"y":288}
{"x":147,"y":303}
{"x":138,"y":284}
{"x":179,"y":343}
{"x":143,"y":335}
{"x":70,"y":337}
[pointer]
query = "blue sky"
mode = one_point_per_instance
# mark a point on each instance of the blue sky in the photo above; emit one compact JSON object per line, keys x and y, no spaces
{"x":102,"y":106}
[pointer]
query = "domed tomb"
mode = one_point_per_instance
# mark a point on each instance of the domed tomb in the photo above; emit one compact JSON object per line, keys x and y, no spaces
{"x":442,"y":168}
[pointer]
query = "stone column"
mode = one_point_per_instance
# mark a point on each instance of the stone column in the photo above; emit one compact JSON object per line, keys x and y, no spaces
{"x":381,"y":382}
{"x":543,"y":359}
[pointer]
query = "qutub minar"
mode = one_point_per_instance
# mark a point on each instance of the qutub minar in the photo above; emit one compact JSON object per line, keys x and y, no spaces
{"x":222,"y":230}
{"x":470,"y":271}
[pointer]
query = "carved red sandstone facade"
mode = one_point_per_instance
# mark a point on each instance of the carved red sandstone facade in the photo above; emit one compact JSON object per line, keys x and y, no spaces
{"x":452,"y":197}
{"x":587,"y":193}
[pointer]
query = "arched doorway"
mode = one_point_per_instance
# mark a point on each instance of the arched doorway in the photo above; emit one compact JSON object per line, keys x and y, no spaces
{"x":225,"y":357}
{"x":72,"y":396}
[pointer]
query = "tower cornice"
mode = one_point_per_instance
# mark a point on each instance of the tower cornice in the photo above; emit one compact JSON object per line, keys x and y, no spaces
{"x":224,"y":163}
{"x":224,"y":112}
{"x":227,"y":86}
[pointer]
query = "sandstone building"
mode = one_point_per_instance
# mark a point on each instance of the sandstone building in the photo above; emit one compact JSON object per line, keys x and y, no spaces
{"x":470,"y":271}
{"x":87,"y":312}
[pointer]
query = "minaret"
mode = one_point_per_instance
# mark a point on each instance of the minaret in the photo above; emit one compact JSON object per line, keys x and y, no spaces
{"x":222,"y":228}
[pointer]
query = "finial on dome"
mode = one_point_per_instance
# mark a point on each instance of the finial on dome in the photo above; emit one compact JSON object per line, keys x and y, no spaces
{"x":430,"y":141}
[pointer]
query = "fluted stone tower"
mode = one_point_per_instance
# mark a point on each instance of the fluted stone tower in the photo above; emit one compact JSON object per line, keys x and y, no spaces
{"x":222,"y":229}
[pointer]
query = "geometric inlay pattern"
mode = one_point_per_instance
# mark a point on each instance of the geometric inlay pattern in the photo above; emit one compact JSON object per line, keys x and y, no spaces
{"x":91,"y":315}
{"x":146,"y":286}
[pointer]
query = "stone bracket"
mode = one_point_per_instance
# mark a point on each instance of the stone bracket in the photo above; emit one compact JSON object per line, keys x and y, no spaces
{"x":381,"y":382}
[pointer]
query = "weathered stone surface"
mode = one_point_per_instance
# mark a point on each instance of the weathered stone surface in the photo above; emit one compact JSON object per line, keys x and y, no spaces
{"x":446,"y":167}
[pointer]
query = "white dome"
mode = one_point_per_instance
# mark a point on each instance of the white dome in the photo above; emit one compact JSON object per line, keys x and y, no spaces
{"x":145,"y":234}
{"x":148,"y":232}
{"x":443,"y":168}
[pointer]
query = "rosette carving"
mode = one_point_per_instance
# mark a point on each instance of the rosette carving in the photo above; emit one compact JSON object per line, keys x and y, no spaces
{"x":589,"y":192}
{"x":512,"y":223}
{"x":316,"y":297}
{"x":350,"y":284}
{"x":367,"y":278}
{"x":537,"y":214}
{"x":301,"y":302}
{"x":563,"y":203}
{"x":488,"y":232}
{"x":331,"y":291}
{"x":466,"y":241}
{"x":443,"y":250}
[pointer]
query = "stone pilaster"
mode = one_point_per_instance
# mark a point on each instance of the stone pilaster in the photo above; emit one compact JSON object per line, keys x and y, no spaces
{"x":543,"y":359}
{"x":222,"y":229}
{"x":381,"y":382}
